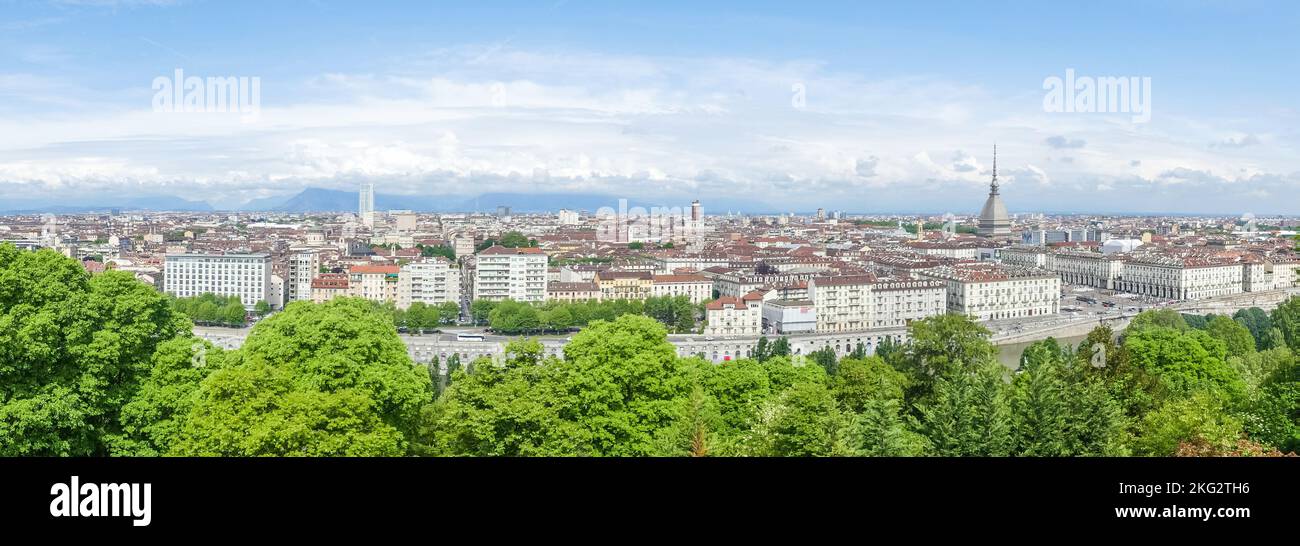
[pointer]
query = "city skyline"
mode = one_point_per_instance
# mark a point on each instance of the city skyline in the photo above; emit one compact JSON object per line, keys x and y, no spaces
{"x":874,"y":109}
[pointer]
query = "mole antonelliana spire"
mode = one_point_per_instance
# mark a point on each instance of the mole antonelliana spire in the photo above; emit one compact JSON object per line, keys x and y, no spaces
{"x":994,"y":221}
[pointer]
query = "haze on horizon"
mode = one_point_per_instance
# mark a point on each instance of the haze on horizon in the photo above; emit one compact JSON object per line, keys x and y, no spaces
{"x":861,"y":108}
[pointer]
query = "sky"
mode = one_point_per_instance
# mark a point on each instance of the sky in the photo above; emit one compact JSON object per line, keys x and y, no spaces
{"x":853,"y":106}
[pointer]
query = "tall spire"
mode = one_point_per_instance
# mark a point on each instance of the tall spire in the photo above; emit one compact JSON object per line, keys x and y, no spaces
{"x":993,"y":187}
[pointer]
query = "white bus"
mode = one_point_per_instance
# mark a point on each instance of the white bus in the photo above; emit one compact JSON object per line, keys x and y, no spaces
{"x":469,"y":337}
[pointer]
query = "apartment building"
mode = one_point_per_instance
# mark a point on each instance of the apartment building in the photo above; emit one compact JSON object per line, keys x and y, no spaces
{"x":328,"y":286}
{"x":374,"y":282}
{"x":698,"y":288}
{"x":728,"y":316}
{"x":572,"y":291}
{"x":625,"y":285}
{"x":843,"y":303}
{"x":1183,"y":278}
{"x":432,"y":281}
{"x":991,"y":292}
{"x":303,"y":266}
{"x":247,"y":276}
{"x":510,"y":273}
{"x":1087,"y":268}
{"x":861,"y":302}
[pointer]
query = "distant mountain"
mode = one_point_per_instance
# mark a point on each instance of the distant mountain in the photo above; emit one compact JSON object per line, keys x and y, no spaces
{"x":103,"y":203}
{"x":166,"y":202}
{"x":549,"y":202}
{"x":325,"y":200}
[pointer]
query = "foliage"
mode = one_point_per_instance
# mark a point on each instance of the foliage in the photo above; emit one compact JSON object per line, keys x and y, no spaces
{"x":328,"y":379}
{"x":968,"y":414}
{"x":212,"y":309}
{"x":1235,"y":337}
{"x":73,"y":351}
{"x":1184,"y":360}
{"x":511,"y":317}
{"x":1201,"y":418}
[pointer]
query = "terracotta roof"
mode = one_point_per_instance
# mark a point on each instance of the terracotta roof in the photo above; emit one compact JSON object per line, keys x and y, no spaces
{"x":557,"y":286}
{"x":498,"y":249}
{"x":330,"y":281}
{"x":379,"y":269}
{"x":670,"y":279}
{"x":845,"y":280}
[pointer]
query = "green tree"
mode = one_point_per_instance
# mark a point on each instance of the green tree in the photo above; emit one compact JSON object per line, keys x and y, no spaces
{"x":1167,"y":318}
{"x":262,"y":308}
{"x":328,"y":379}
{"x":481,"y":310}
{"x":882,"y":429}
{"x":1233,"y":334}
{"x":803,"y":421}
{"x":761,"y":349}
{"x":152,"y":420}
{"x":780,"y":348}
{"x":1185,"y":360}
{"x":861,"y":380}
{"x":1286,"y":318}
{"x":73,"y":351}
{"x":942,"y":346}
{"x":968,"y":414}
{"x":825,"y":357}
{"x":1058,"y":411}
{"x":1258,"y":322}
{"x":1201,"y":418}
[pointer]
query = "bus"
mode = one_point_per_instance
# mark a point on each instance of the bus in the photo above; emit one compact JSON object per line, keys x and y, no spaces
{"x":469,"y":337}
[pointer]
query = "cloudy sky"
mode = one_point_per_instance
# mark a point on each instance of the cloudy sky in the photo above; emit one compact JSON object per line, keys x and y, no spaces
{"x":846,"y":106}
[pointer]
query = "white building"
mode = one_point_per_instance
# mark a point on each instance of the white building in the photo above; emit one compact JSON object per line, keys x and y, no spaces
{"x":433,"y":282}
{"x":696,"y":287}
{"x":1182,"y":278}
{"x":862,"y":302}
{"x":303,"y":266}
{"x":789,"y":316}
{"x":366,"y":205}
{"x":727,"y":316}
{"x":247,"y":276}
{"x":991,"y":292}
{"x":510,"y":273}
{"x":1087,"y":268}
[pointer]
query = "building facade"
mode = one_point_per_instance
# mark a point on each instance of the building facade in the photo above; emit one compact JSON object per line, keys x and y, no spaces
{"x":510,"y":273}
{"x":247,"y":276}
{"x":993,"y":292}
{"x":433,"y":282}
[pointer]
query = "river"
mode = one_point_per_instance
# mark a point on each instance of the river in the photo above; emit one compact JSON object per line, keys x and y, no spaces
{"x":1009,"y":355}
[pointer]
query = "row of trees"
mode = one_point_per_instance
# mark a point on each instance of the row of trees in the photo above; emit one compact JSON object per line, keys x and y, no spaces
{"x":677,"y":313}
{"x":1164,"y":388}
{"x":437,"y":250}
{"x":211,"y":309}
{"x":421,"y":316}
{"x":509,"y":239}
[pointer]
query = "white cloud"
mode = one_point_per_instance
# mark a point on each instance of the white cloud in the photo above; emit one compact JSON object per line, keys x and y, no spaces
{"x":481,"y":118}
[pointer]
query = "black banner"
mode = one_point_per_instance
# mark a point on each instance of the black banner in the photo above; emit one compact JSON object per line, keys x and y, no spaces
{"x":322,"y":496}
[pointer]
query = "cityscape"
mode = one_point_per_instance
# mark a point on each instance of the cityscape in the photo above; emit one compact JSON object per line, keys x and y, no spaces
{"x":822,"y":279}
{"x":339,"y":263}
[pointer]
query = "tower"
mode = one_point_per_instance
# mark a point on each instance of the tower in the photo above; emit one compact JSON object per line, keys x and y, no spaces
{"x":994,"y":221}
{"x":366,"y":206}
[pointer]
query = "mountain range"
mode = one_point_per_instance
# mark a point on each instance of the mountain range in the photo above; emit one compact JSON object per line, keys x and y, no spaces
{"x":327,"y":200}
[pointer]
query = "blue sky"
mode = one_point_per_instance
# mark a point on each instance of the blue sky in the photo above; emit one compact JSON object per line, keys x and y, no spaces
{"x":901,"y":101}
